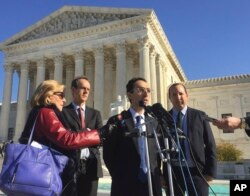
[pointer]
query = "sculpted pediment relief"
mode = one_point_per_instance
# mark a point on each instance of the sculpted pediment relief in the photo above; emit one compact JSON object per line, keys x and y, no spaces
{"x":70,"y":20}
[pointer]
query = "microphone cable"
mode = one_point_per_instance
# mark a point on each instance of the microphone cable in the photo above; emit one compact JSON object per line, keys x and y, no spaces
{"x":180,"y":160}
{"x":199,"y":170}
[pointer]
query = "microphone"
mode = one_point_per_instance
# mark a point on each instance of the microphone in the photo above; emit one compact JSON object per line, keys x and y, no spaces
{"x":162,"y":114}
{"x":148,"y":109}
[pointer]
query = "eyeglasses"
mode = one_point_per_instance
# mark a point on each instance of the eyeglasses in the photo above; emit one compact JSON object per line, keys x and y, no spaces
{"x":61,"y":95}
{"x":141,"y":90}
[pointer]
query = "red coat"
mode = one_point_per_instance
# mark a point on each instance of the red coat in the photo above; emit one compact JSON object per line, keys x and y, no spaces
{"x":49,"y":127}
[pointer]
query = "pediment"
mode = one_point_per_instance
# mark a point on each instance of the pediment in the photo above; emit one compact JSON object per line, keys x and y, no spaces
{"x":71,"y":18}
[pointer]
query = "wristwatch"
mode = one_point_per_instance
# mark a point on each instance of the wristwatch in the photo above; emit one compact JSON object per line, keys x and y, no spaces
{"x":243,"y":124}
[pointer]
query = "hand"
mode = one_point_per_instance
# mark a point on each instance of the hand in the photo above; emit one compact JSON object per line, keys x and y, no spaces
{"x":106,"y":130}
{"x":228,"y":123}
{"x":163,"y":182}
{"x":208,"y":178}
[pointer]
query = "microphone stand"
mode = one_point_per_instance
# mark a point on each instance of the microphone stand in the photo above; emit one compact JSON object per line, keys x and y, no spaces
{"x":144,"y":135}
{"x":165,"y":159}
{"x":150,"y":189}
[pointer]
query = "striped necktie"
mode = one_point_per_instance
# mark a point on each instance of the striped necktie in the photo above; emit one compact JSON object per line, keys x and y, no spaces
{"x":81,"y":117}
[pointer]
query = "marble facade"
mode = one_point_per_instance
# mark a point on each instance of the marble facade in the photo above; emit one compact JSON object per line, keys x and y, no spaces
{"x":108,"y":45}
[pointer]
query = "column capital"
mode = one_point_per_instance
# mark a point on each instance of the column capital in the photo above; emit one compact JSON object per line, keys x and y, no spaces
{"x":157,"y":59}
{"x":8,"y":67}
{"x":79,"y":54}
{"x":69,"y":61}
{"x":143,"y":42}
{"x":131,"y":51}
{"x":120,"y":46}
{"x":58,"y":58}
{"x":98,"y":50}
{"x":41,"y":61}
{"x":108,"y":58}
{"x":89,"y":60}
{"x":152,"y":51}
{"x":24,"y":65}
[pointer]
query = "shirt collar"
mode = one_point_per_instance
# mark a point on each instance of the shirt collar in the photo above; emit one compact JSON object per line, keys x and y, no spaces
{"x":134,"y":114}
{"x":183,"y":111}
{"x":77,"y":106}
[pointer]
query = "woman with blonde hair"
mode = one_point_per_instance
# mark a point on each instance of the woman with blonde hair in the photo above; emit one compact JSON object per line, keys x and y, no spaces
{"x":51,"y":128}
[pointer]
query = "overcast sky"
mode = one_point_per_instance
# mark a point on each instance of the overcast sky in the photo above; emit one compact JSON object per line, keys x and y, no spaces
{"x":210,"y":38}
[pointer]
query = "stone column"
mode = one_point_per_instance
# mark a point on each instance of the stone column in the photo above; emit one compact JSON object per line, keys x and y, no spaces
{"x":153,"y":75}
{"x":69,"y":78}
{"x":22,"y":100}
{"x":108,"y":87}
{"x":130,"y":64}
{"x":165,"y":90}
{"x":79,"y":63}
{"x":32,"y":83}
{"x":99,"y":79}
{"x":144,"y":58}
{"x":120,"y":68}
{"x":90,"y":73}
{"x":159,"y":80}
{"x":5,"y":111}
{"x":40,"y":73}
{"x":58,"y":74}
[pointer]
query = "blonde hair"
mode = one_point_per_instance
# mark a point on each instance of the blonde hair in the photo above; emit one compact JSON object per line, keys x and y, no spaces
{"x":41,"y":96}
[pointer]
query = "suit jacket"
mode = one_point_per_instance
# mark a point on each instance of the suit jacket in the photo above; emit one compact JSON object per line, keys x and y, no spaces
{"x":121,"y":156}
{"x":93,"y":120}
{"x":202,"y":141}
{"x":248,"y":122}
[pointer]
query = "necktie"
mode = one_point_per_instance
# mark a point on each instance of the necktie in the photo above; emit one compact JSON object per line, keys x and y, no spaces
{"x":84,"y":151}
{"x":179,"y":125}
{"x":81,"y":117}
{"x":141,"y":145}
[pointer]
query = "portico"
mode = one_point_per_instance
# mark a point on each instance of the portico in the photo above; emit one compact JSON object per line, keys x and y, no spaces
{"x":108,"y":45}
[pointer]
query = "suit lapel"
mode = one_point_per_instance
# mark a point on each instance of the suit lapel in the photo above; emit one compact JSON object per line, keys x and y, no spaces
{"x":87,"y":116}
{"x":190,"y":121}
{"x":129,"y":121}
{"x":74,"y":115}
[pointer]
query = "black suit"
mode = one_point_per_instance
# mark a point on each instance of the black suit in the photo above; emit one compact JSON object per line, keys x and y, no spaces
{"x":248,"y":122}
{"x":203,"y":146}
{"x":90,"y":170}
{"x":121,"y":156}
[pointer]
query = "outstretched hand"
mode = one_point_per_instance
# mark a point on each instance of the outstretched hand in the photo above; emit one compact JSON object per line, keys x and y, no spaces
{"x":228,"y":123}
{"x":106,"y":130}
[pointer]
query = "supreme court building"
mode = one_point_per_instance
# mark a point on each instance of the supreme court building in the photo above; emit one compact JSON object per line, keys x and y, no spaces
{"x":109,"y":46}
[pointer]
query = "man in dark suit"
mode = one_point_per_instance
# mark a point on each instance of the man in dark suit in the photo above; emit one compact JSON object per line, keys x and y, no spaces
{"x":81,"y":117}
{"x":123,"y":151}
{"x":199,"y":149}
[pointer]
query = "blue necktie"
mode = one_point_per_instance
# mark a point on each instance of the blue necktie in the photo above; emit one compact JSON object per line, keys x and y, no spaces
{"x":141,"y":145}
{"x":179,"y":125}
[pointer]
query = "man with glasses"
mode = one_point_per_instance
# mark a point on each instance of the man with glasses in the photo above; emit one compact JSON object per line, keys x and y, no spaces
{"x":124,"y":152}
{"x":83,"y":118}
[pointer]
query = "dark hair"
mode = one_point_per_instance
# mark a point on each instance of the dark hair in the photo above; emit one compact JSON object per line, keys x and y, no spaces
{"x":131,"y":83}
{"x":74,"y":83}
{"x":174,"y":85}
